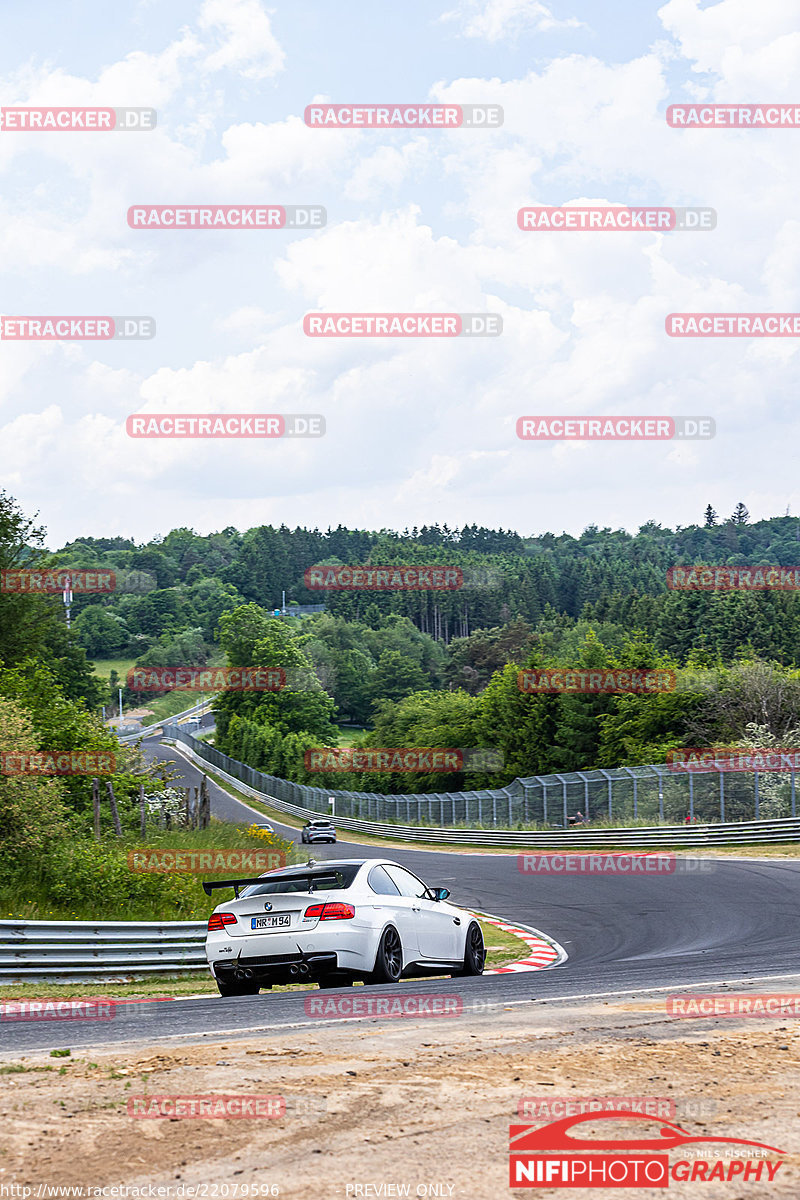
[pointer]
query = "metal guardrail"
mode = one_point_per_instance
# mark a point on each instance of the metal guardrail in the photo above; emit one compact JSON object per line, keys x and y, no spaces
{"x":72,"y":951}
{"x":147,"y":730}
{"x":653,"y":794}
{"x":698,"y":836}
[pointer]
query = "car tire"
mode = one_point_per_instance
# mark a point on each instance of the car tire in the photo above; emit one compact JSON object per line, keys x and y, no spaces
{"x":474,"y":952}
{"x":237,"y":987}
{"x":389,"y":958}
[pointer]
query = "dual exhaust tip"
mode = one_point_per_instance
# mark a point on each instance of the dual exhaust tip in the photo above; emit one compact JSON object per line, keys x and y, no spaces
{"x":295,"y":970}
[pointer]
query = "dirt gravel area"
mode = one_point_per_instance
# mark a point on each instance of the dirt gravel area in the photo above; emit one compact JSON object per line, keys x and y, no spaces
{"x":395,"y":1107}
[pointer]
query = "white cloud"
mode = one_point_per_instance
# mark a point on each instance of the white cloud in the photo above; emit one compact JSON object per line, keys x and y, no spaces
{"x":750,"y":46}
{"x":248,"y":44}
{"x":495,"y":20}
{"x":421,"y":428}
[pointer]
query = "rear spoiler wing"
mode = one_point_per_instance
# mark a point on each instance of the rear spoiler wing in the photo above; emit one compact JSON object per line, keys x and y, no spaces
{"x":318,"y":877}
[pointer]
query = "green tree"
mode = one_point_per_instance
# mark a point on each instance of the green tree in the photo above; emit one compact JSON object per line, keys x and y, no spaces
{"x":23,"y":618}
{"x":522,"y":726}
{"x":101,"y":633}
{"x":252,"y":639}
{"x":33,"y":817}
{"x":395,"y":677}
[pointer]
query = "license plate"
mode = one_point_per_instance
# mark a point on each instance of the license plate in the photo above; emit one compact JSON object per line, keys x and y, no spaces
{"x":270,"y":922}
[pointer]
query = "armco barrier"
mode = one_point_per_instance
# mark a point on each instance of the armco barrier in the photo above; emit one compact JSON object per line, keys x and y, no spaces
{"x":147,"y":730}
{"x":72,"y":951}
{"x":651,"y":794}
{"x":730,"y":833}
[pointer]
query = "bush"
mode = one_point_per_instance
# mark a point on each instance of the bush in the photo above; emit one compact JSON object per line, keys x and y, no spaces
{"x":32,"y":811}
{"x":81,"y":879}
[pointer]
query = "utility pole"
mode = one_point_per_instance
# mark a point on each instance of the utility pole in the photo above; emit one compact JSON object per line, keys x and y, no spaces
{"x":67,"y":597}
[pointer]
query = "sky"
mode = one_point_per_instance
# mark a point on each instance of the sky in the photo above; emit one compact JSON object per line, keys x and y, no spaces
{"x":418,"y":430}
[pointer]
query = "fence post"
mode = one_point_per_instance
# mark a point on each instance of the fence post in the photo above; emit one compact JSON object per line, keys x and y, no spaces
{"x":721,"y":796}
{"x":793,"y":803}
{"x":757,"y":797}
{"x":205,"y":804}
{"x":113,"y":804}
{"x":142,"y":813}
{"x":96,"y":807}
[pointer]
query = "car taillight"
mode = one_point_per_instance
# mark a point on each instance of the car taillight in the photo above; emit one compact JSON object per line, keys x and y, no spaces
{"x":220,"y":920}
{"x":331,"y":912}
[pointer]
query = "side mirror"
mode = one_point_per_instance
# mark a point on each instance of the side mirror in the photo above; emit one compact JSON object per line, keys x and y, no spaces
{"x":439,"y":893}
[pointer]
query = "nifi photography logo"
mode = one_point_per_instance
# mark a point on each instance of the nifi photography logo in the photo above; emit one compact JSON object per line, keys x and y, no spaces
{"x":553,"y":1156}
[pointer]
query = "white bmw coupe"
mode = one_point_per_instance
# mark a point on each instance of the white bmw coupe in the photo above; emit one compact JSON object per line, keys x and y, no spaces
{"x":334,"y":922}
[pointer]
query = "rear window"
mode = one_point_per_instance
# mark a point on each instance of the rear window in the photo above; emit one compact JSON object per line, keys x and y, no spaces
{"x":344,"y":878}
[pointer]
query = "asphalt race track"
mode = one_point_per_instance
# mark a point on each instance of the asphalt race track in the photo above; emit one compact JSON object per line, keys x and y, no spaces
{"x":713,"y":921}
